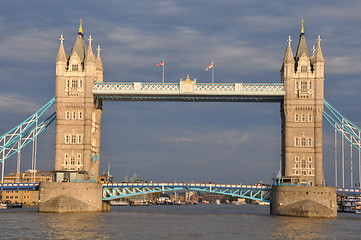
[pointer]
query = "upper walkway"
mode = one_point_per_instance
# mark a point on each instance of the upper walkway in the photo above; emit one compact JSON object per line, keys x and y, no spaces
{"x":189,"y":90}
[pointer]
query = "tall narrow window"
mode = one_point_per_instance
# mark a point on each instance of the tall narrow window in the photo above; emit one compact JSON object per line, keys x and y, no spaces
{"x":67,"y":139}
{"x":74,"y":67}
{"x":310,"y":117}
{"x":79,"y":138}
{"x":297,"y":117}
{"x":303,"y":117}
{"x":303,"y":163}
{"x":74,"y":83}
{"x":303,"y":85}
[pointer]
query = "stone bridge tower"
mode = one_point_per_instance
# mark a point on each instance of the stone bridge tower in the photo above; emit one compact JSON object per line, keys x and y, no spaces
{"x":301,"y":111}
{"x":303,"y":192}
{"x":78,"y":117}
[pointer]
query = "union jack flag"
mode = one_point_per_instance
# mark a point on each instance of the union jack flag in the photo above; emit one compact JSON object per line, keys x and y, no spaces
{"x":160,"y":64}
{"x":209,"y":66}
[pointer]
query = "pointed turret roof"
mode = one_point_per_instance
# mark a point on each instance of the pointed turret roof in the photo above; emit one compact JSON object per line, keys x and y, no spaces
{"x":99,"y":63}
{"x":79,"y":46}
{"x":319,"y":55}
{"x":302,"y":45}
{"x":90,"y":54}
{"x":288,"y":54}
{"x":61,"y":52}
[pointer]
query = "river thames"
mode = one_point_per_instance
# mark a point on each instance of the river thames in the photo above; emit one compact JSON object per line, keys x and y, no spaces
{"x":202,"y":221}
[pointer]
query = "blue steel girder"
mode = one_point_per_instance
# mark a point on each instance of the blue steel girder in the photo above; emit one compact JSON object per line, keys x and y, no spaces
{"x":19,"y":142}
{"x":343,"y":126}
{"x":122,"y":190}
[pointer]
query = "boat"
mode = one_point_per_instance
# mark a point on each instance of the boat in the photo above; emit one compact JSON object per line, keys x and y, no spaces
{"x":118,"y":203}
{"x":4,"y":205}
{"x":358,"y":207}
{"x":140,"y":203}
{"x":7,"y":204}
{"x":349,"y":204}
{"x":16,"y":205}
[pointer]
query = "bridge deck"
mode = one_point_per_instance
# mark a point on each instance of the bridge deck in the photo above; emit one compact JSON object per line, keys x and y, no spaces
{"x":198,"y":92}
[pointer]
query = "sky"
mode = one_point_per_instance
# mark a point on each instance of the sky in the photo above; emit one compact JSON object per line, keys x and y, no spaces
{"x":218,"y":142}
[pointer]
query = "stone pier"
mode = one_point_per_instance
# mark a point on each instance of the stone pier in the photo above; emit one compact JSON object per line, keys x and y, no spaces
{"x":71,"y":197}
{"x":304,"y":201}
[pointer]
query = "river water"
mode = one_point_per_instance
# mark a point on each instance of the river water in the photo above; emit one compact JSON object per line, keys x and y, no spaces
{"x":202,"y":221}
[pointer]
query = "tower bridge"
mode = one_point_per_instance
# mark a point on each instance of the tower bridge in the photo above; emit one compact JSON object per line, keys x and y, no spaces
{"x":81,"y":91}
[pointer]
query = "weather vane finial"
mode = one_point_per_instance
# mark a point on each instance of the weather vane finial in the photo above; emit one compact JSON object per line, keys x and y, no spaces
{"x":81,"y":26}
{"x":302,"y":26}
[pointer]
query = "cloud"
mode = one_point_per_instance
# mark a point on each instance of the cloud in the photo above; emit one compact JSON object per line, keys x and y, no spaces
{"x":17,"y":104}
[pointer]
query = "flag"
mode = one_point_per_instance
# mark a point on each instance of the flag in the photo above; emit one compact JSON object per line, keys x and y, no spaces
{"x":209,"y":67}
{"x":160,"y":64}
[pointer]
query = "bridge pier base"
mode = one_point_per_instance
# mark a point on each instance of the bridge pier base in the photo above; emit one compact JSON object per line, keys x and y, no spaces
{"x":70,"y":197}
{"x":304,"y":201}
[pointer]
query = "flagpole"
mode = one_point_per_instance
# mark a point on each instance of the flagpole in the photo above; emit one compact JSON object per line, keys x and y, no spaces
{"x":163,"y":72}
{"x":213,"y":73}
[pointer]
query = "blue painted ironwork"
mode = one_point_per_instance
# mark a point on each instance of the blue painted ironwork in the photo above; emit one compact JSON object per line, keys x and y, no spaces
{"x":121,"y":190}
{"x":19,"y":186}
{"x":343,"y":126}
{"x":17,"y":138}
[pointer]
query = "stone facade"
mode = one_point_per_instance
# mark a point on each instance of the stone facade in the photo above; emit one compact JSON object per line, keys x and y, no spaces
{"x":301,"y":112}
{"x":304,"y":201}
{"x":78,"y":117}
{"x":65,"y":197}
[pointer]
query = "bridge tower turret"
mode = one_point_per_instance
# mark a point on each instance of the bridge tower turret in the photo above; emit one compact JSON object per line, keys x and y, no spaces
{"x":78,"y":117}
{"x":301,"y":112}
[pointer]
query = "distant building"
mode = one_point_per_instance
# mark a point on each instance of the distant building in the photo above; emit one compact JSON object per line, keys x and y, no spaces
{"x":27,"y":198}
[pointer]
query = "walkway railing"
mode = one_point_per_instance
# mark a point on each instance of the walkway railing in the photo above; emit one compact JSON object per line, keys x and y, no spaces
{"x":145,"y":91}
